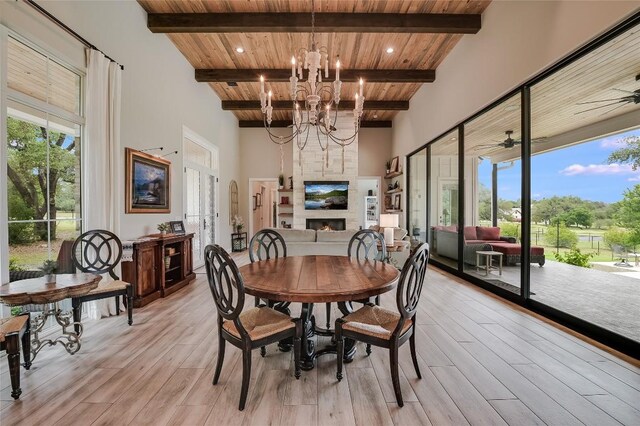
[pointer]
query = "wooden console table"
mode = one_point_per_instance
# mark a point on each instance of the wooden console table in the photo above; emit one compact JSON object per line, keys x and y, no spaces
{"x":151,"y":274}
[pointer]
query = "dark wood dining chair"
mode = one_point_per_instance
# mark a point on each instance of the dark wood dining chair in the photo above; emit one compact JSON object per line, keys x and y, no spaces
{"x":365,"y":244}
{"x":374,"y":325}
{"x":99,"y":252}
{"x":248,"y":330}
{"x":13,"y":332}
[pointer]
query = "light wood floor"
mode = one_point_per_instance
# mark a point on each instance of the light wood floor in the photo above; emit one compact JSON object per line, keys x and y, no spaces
{"x":483,"y":361}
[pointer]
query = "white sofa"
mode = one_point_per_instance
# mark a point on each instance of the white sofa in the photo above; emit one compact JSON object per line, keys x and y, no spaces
{"x":306,"y":242}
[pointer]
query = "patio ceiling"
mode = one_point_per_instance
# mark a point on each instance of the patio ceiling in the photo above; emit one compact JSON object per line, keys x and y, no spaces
{"x":555,"y":108}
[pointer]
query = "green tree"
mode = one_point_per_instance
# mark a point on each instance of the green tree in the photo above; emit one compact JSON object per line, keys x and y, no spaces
{"x":35,"y":184}
{"x":484,"y":202}
{"x":560,"y":237}
{"x":629,"y":154}
{"x":628,"y":215}
{"x":579,"y":216}
{"x":617,"y":236}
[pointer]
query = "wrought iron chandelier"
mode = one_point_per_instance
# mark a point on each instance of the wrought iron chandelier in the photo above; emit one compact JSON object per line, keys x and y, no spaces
{"x":315,"y":104}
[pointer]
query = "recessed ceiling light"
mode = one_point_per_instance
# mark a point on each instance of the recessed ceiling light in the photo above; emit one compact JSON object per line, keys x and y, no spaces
{"x":240,"y":49}
{"x":389,"y":49}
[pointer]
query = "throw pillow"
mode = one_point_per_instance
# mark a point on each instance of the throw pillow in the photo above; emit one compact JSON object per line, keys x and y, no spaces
{"x":488,"y":233}
{"x":470,"y":233}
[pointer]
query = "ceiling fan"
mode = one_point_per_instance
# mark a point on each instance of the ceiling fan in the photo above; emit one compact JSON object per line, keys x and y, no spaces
{"x":509,"y":142}
{"x":629,"y":98}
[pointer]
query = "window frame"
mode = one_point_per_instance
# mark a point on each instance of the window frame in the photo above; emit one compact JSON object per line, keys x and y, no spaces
{"x":7,"y":96}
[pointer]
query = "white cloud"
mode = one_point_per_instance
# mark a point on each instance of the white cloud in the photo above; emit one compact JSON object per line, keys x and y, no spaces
{"x":598,"y":169}
{"x":613,"y":143}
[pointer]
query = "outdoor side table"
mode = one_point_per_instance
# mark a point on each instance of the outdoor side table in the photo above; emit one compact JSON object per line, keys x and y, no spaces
{"x":488,"y":261}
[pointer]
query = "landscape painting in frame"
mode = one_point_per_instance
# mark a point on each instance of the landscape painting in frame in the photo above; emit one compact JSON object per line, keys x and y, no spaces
{"x":148,"y":183}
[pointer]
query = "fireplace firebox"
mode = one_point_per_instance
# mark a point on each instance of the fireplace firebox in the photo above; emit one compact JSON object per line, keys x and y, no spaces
{"x":325,"y":224}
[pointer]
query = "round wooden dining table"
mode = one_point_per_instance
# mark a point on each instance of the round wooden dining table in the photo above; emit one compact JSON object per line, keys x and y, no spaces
{"x":318,"y":279}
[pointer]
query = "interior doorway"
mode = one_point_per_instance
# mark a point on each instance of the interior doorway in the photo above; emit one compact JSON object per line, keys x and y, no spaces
{"x":200,"y":193}
{"x":368,"y":201}
{"x":262,"y":204}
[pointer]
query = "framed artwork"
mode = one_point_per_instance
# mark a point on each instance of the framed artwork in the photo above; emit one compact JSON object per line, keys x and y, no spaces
{"x":147,"y":183}
{"x":388,"y":205}
{"x":394,"y":164}
{"x":258,"y":199}
{"x":177,"y":227}
{"x":396,"y":202}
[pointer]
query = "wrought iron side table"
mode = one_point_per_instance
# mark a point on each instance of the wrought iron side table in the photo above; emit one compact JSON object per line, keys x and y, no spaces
{"x":38,"y":291}
{"x":238,"y":241}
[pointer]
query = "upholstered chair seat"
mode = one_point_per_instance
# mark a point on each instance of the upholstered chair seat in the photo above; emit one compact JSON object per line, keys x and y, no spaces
{"x":260,"y":322}
{"x":374,"y":321}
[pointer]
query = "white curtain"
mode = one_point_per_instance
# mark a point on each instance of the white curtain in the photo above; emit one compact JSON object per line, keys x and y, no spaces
{"x":102,"y":159}
{"x":102,"y":170}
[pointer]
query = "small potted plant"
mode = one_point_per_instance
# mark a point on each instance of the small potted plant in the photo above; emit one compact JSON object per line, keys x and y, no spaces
{"x":281,"y":181}
{"x":49,"y":269}
{"x":163,"y":228}
{"x":388,"y":165}
{"x":238,"y":223}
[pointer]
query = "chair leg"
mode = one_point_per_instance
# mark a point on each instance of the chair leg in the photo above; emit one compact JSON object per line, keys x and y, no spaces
{"x":340,"y":348}
{"x":414,"y":357}
{"x":368,"y":349}
{"x":395,"y":378}
{"x":246,"y":375}
{"x":117,"y":305}
{"x":26,"y":345}
{"x":13,"y":355}
{"x":76,"y":305}
{"x":297,"y":344}
{"x":263,"y":351}
{"x":221,"y":343}
{"x":328,"y":308}
{"x":130,"y":304}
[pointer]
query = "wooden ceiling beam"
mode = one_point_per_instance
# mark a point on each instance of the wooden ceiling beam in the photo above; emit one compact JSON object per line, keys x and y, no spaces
{"x":324,"y":23}
{"x":347,"y":76}
{"x":231,"y":105}
{"x":287,"y":123}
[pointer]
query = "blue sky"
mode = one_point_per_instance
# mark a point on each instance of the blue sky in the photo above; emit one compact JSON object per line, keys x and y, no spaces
{"x":581,"y":170}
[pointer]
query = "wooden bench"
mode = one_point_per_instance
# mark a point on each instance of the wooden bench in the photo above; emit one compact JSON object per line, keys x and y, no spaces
{"x":12,"y":331}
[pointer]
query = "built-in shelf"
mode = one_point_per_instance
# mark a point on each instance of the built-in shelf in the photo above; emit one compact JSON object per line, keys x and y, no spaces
{"x":173,"y":254}
{"x":175,"y":268}
{"x":394,"y":191}
{"x":393,"y":211}
{"x":393,"y":174}
{"x":285,"y":205}
{"x":285,"y":214}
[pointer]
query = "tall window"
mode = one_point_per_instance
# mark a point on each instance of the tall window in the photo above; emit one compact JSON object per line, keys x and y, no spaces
{"x":44,"y":127}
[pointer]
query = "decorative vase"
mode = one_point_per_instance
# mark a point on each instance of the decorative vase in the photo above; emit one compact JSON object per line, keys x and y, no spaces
{"x":50,"y":278}
{"x":163,"y":232}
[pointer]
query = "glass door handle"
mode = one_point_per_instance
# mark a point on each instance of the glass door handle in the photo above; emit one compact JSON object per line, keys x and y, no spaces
{"x":205,"y":223}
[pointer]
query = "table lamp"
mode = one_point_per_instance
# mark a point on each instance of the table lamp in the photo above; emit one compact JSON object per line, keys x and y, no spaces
{"x":388,"y":222}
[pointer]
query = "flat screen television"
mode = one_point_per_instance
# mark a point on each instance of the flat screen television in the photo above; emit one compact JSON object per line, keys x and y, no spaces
{"x":326,"y":195}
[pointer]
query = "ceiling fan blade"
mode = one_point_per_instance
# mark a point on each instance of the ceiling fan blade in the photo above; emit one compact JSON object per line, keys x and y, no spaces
{"x":613,"y":109}
{"x":625,"y":91}
{"x":602,"y":100}
{"x":481,"y":147}
{"x":598,"y":107}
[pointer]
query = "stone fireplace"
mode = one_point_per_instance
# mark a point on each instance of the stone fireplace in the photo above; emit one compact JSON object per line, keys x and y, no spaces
{"x":327,"y":224}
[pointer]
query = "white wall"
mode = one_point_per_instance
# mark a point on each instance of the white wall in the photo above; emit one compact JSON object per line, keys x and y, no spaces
{"x":159,"y":92}
{"x":260,"y":158}
{"x":517,"y":40}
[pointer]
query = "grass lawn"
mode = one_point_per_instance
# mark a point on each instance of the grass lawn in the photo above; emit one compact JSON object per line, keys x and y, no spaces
{"x":31,"y":255}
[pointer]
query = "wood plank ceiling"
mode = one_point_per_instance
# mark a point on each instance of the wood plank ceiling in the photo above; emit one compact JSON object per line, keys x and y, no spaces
{"x":273,"y":50}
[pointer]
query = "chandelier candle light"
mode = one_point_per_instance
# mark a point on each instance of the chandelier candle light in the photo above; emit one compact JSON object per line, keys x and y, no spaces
{"x":315,"y":104}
